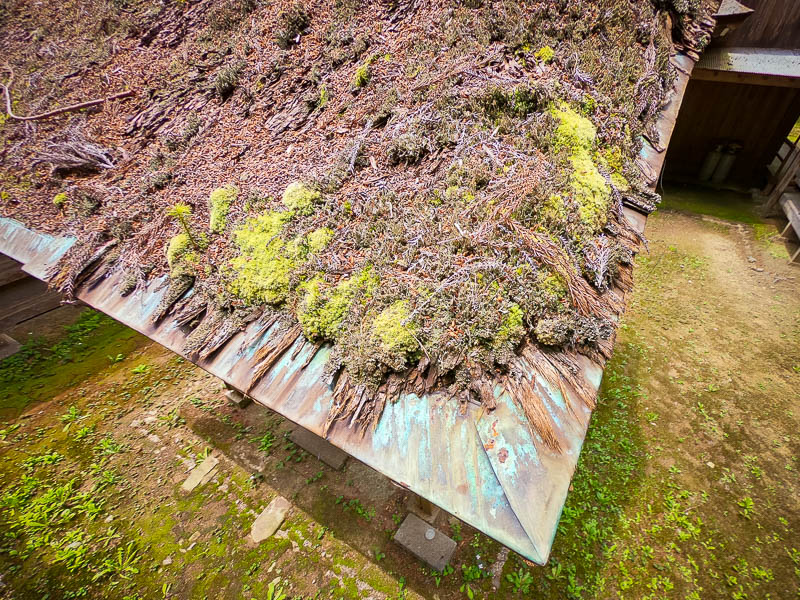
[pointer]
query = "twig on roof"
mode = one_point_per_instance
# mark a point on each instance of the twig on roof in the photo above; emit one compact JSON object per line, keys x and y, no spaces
{"x":88,"y":104}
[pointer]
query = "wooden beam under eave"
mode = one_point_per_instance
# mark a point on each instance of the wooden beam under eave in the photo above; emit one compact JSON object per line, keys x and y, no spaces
{"x":745,"y":78}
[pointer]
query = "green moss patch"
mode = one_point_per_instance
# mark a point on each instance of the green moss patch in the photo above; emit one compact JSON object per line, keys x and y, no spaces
{"x":577,"y":135}
{"x":266,"y":260}
{"x":545,"y":54}
{"x":300,"y":198}
{"x":321,"y":311}
{"x":394,"y":330}
{"x":219,"y":203}
{"x":178,"y":246}
{"x":512,"y":328}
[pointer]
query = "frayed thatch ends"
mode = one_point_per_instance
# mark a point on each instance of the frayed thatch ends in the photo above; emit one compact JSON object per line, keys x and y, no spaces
{"x":269,"y":353}
{"x":78,"y":264}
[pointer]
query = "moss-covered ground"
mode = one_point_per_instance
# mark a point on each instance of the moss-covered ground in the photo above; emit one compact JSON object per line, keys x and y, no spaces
{"x":687,"y":486}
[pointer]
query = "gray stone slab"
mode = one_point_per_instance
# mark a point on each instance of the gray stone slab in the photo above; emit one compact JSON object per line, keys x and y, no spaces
{"x":8,"y":346}
{"x":429,"y":545}
{"x":321,"y":448}
{"x":238,"y":398}
{"x":270,"y":519}
{"x":200,"y":473}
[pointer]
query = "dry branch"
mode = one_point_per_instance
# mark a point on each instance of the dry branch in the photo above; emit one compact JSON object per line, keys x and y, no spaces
{"x":59,"y":111}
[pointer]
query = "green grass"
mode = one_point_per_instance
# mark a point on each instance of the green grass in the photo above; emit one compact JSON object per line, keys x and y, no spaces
{"x":39,"y":371}
{"x":731,"y":206}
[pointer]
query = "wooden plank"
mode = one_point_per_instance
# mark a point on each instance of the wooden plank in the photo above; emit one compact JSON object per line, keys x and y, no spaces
{"x":701,"y":74}
{"x":774,"y":24}
{"x":796,"y":257}
{"x":787,"y":176}
{"x":10,"y":271}
{"x":790,"y":203}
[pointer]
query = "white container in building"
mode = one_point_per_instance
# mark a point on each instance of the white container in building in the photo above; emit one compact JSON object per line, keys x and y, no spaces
{"x":725,"y":165}
{"x":710,"y":163}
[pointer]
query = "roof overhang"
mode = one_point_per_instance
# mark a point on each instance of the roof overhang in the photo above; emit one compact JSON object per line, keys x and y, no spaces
{"x":485,"y":468}
{"x":754,"y":66}
{"x":729,"y":15}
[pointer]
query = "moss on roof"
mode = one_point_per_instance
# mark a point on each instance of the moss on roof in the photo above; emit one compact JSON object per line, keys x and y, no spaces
{"x":428,"y":188}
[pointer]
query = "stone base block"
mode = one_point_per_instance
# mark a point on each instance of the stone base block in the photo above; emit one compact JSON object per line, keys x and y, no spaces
{"x":429,"y":545}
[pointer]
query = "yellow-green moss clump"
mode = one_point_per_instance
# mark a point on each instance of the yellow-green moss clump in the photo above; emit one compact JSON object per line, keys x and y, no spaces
{"x":552,"y":285}
{"x":321,"y":311}
{"x":362,"y":75}
{"x":512,"y":328}
{"x":219,"y":203}
{"x":60,"y":199}
{"x":577,"y":134}
{"x":545,"y":54}
{"x":319,"y":238}
{"x":179,"y":255}
{"x":614,"y":162}
{"x":267,"y":260}
{"x":394,"y":331}
{"x":177,"y":247}
{"x":300,"y":198}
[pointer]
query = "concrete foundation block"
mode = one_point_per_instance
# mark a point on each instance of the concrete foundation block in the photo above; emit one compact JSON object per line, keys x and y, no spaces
{"x":429,"y":545}
{"x":8,"y":346}
{"x":319,"y":447}
{"x":238,"y":398}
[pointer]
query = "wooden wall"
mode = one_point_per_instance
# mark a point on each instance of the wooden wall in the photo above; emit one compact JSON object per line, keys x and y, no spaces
{"x":758,"y":117}
{"x":775,"y":24}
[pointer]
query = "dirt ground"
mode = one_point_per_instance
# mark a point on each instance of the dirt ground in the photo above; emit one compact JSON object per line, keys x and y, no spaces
{"x":687,"y":486}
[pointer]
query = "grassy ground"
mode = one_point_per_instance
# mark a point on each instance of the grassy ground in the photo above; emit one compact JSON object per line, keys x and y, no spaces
{"x":687,"y":486}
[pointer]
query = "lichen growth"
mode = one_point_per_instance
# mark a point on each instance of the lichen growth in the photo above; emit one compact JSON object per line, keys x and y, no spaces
{"x":394,"y":330}
{"x":408,"y":148}
{"x":553,"y":332}
{"x":545,"y":54}
{"x":321,"y":311}
{"x":577,"y":134}
{"x":552,"y":285}
{"x":219,"y":203}
{"x":60,"y":199}
{"x":300,"y":198}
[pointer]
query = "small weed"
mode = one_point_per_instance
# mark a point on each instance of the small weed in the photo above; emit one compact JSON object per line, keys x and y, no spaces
{"x":315,"y":477}
{"x":747,"y":505}
{"x":108,"y":446}
{"x":50,"y":458}
{"x":265,"y":442}
{"x":70,"y":417}
{"x":521,"y":580}
{"x":140,"y":369}
{"x":172,"y":419}
{"x":455,"y":529}
{"x":439,"y":575}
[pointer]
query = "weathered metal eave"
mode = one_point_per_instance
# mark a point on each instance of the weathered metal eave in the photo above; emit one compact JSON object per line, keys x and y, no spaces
{"x":486,"y":468}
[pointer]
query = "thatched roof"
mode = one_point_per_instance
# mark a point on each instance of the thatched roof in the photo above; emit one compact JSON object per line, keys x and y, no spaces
{"x":424,"y":201}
